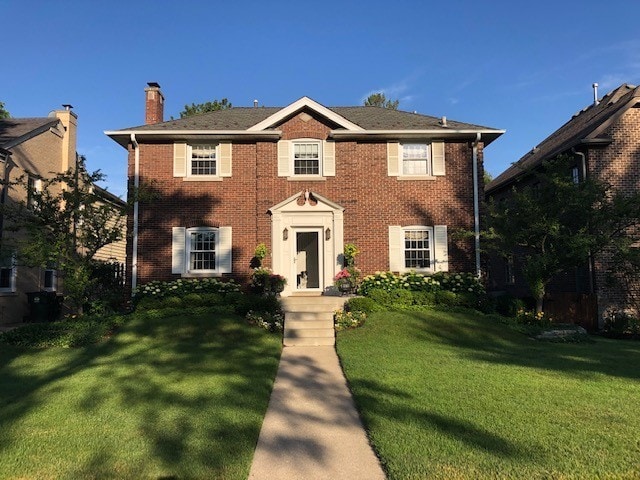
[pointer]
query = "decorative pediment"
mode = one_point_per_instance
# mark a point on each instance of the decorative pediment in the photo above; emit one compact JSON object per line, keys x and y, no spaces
{"x":306,"y":201}
{"x":304,"y":102}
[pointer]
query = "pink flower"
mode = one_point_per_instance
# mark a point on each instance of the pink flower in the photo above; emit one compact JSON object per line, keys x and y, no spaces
{"x":344,"y":273}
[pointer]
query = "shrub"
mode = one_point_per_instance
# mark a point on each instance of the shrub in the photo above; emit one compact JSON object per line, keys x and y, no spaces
{"x":447,"y":298}
{"x":459,"y":282}
{"x":396,"y":297}
{"x":181,"y":287}
{"x":361,"y":304}
{"x":617,"y":323}
{"x":379,"y":281}
{"x":258,"y":303}
{"x":424,"y":298}
{"x":508,"y":305}
{"x":352,"y":319}
{"x":529,"y":317}
{"x":272,"y":322}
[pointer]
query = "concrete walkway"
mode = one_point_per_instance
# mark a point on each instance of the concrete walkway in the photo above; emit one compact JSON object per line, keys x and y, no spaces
{"x":312,"y":429}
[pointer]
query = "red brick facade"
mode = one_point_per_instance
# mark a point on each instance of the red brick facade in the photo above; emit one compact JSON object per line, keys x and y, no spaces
{"x":372,"y":200}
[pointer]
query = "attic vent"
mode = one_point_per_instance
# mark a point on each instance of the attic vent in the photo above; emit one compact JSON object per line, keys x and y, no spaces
{"x":305,"y":117}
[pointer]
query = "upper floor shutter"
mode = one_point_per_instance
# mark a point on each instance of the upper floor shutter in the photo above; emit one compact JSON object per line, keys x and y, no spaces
{"x":225,"y":156}
{"x":180,"y":159}
{"x":437,"y":158}
{"x":329,"y":159}
{"x":284,"y":158}
{"x":393,"y":159}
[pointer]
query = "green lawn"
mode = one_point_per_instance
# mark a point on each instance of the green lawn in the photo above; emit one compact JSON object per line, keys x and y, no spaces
{"x":457,"y":395}
{"x":167,"y":397}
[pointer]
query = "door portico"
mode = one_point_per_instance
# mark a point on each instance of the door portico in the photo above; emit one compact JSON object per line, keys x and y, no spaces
{"x":306,"y":242}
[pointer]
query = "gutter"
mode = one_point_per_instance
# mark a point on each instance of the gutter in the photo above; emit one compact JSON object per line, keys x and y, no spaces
{"x":476,"y":204}
{"x":136,"y":185}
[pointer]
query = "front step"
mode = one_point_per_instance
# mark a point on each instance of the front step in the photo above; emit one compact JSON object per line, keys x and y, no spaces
{"x":308,"y":321}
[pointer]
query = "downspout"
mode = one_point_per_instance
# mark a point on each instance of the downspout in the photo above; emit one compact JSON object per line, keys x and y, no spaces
{"x":476,"y":205}
{"x":583,"y":168}
{"x":136,"y":185}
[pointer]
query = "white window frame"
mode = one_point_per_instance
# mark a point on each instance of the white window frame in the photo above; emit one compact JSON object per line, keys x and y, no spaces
{"x":427,"y":159}
{"x":188,"y":249}
{"x":13,"y":269}
{"x":431,"y":248}
{"x":306,"y":141}
{"x":575,"y":175}
{"x":34,"y":186}
{"x":215,"y":147}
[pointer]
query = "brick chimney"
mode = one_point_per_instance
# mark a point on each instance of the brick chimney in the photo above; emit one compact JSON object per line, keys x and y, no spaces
{"x":154,"y":105}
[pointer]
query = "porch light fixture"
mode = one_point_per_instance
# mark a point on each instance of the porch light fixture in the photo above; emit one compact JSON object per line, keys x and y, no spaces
{"x":327,"y":234}
{"x":285,"y":234}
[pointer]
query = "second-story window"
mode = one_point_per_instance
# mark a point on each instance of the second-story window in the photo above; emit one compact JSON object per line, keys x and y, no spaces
{"x":416,"y":159}
{"x":203,"y":160}
{"x":306,"y":158}
{"x":34,"y":188}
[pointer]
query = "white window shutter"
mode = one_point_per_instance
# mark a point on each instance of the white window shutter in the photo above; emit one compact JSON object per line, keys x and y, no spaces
{"x":329,"y":159}
{"x":437,"y":158}
{"x":396,"y":249}
{"x":225,"y":246}
{"x":179,"y":159}
{"x":224,"y":155}
{"x":393,"y":158}
{"x":441,"y":248}
{"x":284,"y":158}
{"x":178,"y":259}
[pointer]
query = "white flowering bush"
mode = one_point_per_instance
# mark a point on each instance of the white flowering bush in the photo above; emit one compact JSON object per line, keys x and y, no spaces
{"x":177,"y":288}
{"x":272,"y":322}
{"x":461,"y":283}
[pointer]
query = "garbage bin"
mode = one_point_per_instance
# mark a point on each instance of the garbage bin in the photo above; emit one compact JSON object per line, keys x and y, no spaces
{"x":45,"y":306}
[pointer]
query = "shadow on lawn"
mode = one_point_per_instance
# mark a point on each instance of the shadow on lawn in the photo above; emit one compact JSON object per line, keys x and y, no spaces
{"x":484,"y":338}
{"x":156,"y":380}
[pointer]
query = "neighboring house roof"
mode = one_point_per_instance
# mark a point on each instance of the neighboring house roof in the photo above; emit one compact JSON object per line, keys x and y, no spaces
{"x":107,"y":196}
{"x":354,"y":121}
{"x":584,"y":128}
{"x":14,"y":131}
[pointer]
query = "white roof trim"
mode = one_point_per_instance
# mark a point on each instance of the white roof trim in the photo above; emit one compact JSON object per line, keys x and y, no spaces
{"x":447,"y":132}
{"x":300,"y":104}
{"x":294,"y":198}
{"x":272,"y":133}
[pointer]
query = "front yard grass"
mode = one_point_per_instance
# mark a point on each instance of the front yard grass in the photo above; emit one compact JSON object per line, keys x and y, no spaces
{"x":458,"y":395}
{"x":172,"y":395}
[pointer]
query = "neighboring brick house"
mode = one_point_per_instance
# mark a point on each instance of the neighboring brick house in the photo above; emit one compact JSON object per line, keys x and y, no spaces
{"x":604,"y":140}
{"x":40,"y":148}
{"x":304,"y":179}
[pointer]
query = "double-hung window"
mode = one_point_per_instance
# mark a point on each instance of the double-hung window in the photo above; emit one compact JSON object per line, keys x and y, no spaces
{"x":416,"y":159}
{"x":418,"y":250}
{"x":306,"y":158}
{"x":8,"y":273}
{"x":201,"y":249}
{"x":34,"y":188}
{"x":50,"y":280}
{"x":203,"y":160}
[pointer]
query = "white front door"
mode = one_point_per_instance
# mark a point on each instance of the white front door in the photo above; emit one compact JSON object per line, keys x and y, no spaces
{"x":308,"y":259}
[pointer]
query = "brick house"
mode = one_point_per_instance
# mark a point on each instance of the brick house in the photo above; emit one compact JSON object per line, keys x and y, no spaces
{"x":40,"y":148}
{"x":304,"y":179}
{"x":604,"y":140}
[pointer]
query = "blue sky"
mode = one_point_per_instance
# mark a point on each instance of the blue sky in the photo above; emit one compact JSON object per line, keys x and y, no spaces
{"x":521,"y":66}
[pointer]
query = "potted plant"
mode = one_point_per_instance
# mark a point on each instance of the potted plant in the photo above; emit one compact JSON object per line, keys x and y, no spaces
{"x":343,"y":281}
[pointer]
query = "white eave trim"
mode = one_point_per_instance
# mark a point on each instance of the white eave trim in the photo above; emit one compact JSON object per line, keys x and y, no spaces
{"x":270,"y":133}
{"x":299,"y":105}
{"x":414,"y":133}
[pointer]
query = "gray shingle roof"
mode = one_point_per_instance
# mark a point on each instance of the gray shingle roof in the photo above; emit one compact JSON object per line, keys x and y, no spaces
{"x":16,"y":130}
{"x":583,"y":126}
{"x":369,"y":118}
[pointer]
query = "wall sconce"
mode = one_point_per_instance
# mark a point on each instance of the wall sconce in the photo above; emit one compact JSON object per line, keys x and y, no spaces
{"x":285,"y":234}
{"x":327,"y":234}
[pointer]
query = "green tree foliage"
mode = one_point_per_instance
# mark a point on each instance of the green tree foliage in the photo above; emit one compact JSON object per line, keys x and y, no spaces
{"x":380,"y":100}
{"x":195,"y":109}
{"x":63,"y":225}
{"x":557,"y":224}
{"x":3,"y":112}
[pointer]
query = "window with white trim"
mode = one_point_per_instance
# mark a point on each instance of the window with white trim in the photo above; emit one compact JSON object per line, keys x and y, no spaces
{"x":8,"y":275}
{"x":34,"y":188}
{"x":418,"y":249}
{"x":306,"y":157}
{"x":201,"y":249}
{"x":416,"y":159}
{"x":203,"y":160}
{"x":575,"y":175}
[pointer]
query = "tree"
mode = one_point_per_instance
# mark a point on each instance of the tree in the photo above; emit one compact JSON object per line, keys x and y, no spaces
{"x":195,"y":109}
{"x":63,"y":225}
{"x":380,"y":100}
{"x":3,"y":112}
{"x":558,"y":224}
